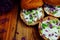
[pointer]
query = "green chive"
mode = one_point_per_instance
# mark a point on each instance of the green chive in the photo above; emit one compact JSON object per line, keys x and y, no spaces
{"x":31,"y":18}
{"x":58,"y":6}
{"x":36,"y":12}
{"x":32,"y":10}
{"x":27,"y":12}
{"x":30,"y":22}
{"x":56,"y":21}
{"x":40,"y":31}
{"x":54,"y":12}
{"x":53,"y":21}
{"x":58,"y":27}
{"x":44,"y":25}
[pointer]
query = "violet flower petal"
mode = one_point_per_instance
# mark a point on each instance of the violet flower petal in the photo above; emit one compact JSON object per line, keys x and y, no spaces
{"x":49,"y":35}
{"x":46,"y":30}
{"x":50,"y":25}
{"x":23,"y":38}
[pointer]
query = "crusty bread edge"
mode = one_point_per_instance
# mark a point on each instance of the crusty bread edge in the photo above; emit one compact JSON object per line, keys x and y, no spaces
{"x":46,"y":18}
{"x":21,"y":16}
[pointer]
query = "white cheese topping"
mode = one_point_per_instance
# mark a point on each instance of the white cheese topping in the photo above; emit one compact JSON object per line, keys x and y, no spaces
{"x":58,"y":12}
{"x":32,"y":15}
{"x":48,"y":11}
{"x":51,"y":33}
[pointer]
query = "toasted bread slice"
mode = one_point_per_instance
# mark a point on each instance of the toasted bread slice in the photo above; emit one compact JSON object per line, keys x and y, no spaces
{"x":30,"y":4}
{"x":47,"y":30}
{"x":32,"y":16}
{"x":52,"y":2}
{"x":52,"y":10}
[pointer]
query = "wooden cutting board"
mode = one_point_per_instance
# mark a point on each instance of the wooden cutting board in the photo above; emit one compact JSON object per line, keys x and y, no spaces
{"x":25,"y":32}
{"x":8,"y":24}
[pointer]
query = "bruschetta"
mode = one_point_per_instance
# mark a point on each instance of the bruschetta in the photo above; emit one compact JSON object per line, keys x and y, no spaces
{"x":49,"y":28}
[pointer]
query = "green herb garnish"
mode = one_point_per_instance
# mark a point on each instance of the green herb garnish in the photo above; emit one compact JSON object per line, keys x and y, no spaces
{"x":40,"y":31}
{"x":28,"y":12}
{"x":36,"y":12}
{"x":31,"y":18}
{"x":54,"y":12}
{"x":58,"y":27}
{"x":32,"y":10}
{"x":58,"y":6}
{"x":29,"y":22}
{"x":56,"y":21}
{"x":44,"y":25}
{"x":53,"y":21}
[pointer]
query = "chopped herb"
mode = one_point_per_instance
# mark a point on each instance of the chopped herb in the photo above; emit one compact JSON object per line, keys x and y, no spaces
{"x":27,"y":12}
{"x":44,"y":25}
{"x":32,"y":10}
{"x":36,"y":12}
{"x":58,"y":27}
{"x":30,"y":22}
{"x":53,"y":26}
{"x":58,"y":6}
{"x":54,"y":12}
{"x":48,"y":23}
{"x":53,"y":21}
{"x":56,"y":21}
{"x":40,"y":31}
{"x":31,"y":18}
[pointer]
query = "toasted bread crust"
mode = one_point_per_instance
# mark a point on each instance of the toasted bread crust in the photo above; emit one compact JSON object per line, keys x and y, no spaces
{"x":46,"y":18}
{"x":52,"y":2}
{"x":29,"y":4}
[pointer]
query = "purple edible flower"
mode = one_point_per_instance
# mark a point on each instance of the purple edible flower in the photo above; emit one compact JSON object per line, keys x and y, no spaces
{"x":49,"y":35}
{"x":30,"y":15}
{"x":51,"y":9}
{"x":50,"y":25}
{"x":57,"y":23}
{"x":23,"y":38}
{"x":46,"y":30}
